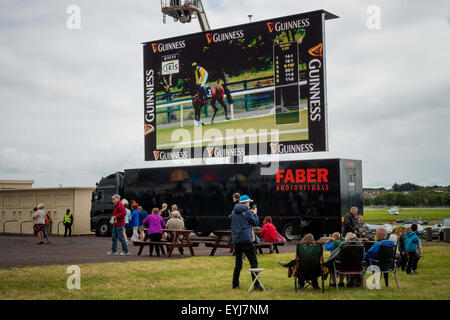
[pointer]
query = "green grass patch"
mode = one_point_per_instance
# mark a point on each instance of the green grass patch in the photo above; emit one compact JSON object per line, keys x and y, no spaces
{"x":431,"y":214}
{"x":209,"y":278}
{"x":164,"y":135}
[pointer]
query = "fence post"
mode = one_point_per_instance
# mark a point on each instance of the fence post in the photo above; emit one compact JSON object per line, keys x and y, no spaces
{"x":246,"y":96}
{"x":169,"y":114}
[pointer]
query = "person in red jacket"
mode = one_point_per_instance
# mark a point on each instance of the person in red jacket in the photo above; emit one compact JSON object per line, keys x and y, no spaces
{"x":118,"y":227}
{"x":268,"y":232}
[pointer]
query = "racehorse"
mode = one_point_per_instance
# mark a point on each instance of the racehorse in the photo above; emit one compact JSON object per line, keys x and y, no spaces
{"x":218,"y":93}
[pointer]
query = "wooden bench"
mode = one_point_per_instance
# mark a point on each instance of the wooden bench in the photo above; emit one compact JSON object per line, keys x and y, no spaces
{"x":144,"y":243}
{"x":273,"y":246}
{"x":171,"y":245}
{"x":223,"y":240}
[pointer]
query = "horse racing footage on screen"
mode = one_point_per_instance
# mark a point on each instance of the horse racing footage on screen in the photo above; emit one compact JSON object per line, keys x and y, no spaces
{"x":228,"y":92}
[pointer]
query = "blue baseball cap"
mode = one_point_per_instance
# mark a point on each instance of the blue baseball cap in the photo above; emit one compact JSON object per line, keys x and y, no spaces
{"x":245,"y":198}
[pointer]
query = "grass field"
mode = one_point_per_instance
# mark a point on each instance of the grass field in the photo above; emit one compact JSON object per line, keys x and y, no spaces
{"x":164,"y":136}
{"x":431,"y":214}
{"x":209,"y":278}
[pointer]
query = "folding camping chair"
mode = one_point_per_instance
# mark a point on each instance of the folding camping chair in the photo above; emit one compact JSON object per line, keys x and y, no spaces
{"x":310,"y":268}
{"x":350,"y":261}
{"x":386,"y":262}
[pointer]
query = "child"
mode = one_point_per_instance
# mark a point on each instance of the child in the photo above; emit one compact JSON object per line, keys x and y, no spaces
{"x":413,"y":247}
{"x":331,"y":245}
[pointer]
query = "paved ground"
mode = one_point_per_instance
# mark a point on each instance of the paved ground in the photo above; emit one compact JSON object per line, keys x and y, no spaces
{"x":16,"y":251}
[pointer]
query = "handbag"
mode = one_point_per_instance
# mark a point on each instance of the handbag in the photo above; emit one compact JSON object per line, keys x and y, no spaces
{"x":113,"y":220}
{"x":280,"y":238}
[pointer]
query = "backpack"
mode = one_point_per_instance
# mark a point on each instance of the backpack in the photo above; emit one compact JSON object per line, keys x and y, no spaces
{"x":47,"y":221}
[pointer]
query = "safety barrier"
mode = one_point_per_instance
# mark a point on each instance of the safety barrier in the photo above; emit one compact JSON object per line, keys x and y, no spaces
{"x":27,"y":221}
{"x":5,"y":222}
{"x":59,"y":223}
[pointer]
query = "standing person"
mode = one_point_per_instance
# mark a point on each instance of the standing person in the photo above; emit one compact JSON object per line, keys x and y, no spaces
{"x":142,"y":215}
{"x":155,"y":224}
{"x":119,"y":213}
{"x":175,"y":223}
{"x":236,"y":197}
{"x":68,"y":222}
{"x":47,"y":227}
{"x":127,"y":219}
{"x":351,"y":223}
{"x":134,"y":221}
{"x":268,"y":232}
{"x":242,"y":220}
{"x":413,"y":247}
{"x":165,"y":212}
{"x":402,"y":250}
{"x":39,"y":222}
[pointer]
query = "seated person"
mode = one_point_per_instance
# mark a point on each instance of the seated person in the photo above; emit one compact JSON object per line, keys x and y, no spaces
{"x":332,"y":245}
{"x":308,"y":242}
{"x":268,"y":232}
{"x":372,"y":255}
{"x":175,"y":222}
{"x":350,"y":240}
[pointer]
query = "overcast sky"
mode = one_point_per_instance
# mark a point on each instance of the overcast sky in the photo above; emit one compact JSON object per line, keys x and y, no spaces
{"x":71,"y":101}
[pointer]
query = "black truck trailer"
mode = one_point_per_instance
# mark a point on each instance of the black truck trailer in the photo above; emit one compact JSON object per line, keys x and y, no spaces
{"x":305,"y":196}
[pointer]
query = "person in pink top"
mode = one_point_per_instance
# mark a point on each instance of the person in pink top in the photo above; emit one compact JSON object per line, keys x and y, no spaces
{"x":268,"y":232}
{"x":155,"y":224}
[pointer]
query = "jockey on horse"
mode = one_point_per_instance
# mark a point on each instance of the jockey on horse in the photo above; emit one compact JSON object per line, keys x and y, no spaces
{"x":201,"y":77}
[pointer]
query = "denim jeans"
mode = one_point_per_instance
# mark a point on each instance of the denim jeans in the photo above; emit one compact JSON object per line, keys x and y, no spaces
{"x":117,"y":233}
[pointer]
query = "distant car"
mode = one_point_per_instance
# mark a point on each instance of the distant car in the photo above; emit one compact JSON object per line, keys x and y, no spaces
{"x":393,"y":211}
{"x":434,"y":229}
{"x":399,"y":221}
{"x":445,"y":225}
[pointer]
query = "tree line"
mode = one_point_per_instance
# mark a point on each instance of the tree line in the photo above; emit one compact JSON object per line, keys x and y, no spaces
{"x":409,"y":194}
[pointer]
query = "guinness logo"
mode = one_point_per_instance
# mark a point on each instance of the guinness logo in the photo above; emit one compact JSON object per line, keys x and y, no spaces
{"x":210,"y":151}
{"x":316,"y":51}
{"x":155,"y":47}
{"x":274,"y":148}
{"x":209,"y":37}
{"x":148,"y":128}
{"x":270,"y":26}
{"x":156,"y":154}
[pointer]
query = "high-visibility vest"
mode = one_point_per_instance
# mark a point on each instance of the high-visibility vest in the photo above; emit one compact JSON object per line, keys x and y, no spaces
{"x":68,"y":218}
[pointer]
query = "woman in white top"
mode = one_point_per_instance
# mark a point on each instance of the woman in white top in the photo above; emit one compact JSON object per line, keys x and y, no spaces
{"x":395,"y":235}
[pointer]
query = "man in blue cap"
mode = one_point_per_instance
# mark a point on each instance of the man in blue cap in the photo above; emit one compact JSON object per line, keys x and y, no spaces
{"x":242,"y":220}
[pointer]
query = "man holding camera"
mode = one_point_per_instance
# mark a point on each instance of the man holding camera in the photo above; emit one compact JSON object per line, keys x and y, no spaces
{"x":242,"y":220}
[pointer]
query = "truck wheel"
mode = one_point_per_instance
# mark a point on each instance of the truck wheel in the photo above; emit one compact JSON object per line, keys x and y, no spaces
{"x":103,"y":229}
{"x":288,"y":233}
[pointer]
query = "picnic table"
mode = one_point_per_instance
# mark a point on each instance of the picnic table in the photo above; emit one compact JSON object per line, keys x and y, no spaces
{"x":223,"y":240}
{"x":171,"y":245}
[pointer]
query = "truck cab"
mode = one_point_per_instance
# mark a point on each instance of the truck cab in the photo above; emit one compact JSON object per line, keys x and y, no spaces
{"x":102,"y":205}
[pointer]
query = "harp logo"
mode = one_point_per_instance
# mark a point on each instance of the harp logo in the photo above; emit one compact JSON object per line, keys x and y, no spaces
{"x":209,"y":37}
{"x":274,"y":148}
{"x":210,"y":151}
{"x":270,"y":26}
{"x":316,"y":51}
{"x":156,"y":154}
{"x":155,"y":47}
{"x":148,"y":128}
